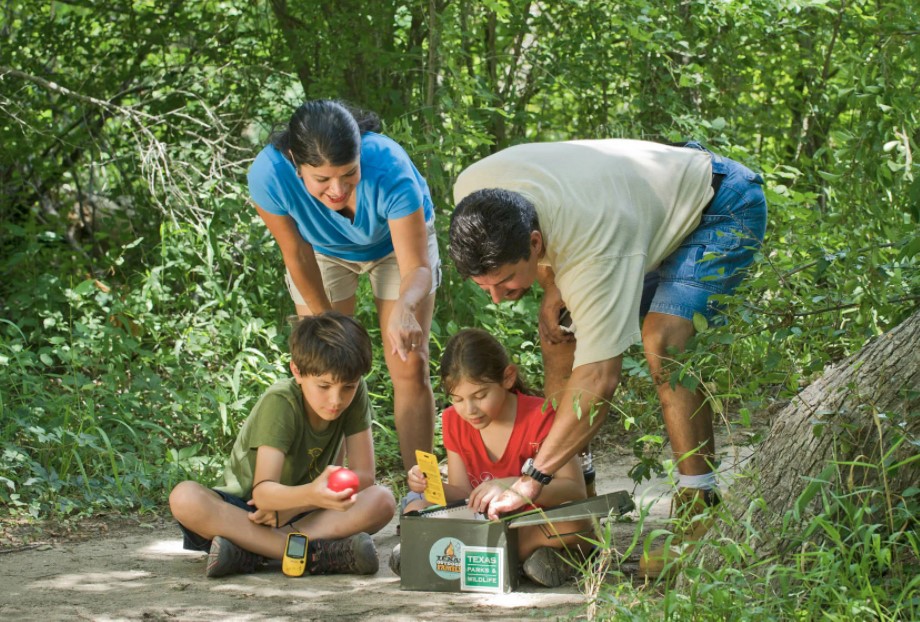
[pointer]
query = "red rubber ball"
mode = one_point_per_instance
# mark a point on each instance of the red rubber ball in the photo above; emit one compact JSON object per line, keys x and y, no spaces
{"x":343,"y":479}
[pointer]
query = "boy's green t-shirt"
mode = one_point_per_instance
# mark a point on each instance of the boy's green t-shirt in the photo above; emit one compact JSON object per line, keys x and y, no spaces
{"x":279,"y":419}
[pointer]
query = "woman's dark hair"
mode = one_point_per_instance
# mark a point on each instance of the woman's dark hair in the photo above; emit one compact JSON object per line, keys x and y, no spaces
{"x":331,"y":343}
{"x":475,"y":355}
{"x":490,"y":228}
{"x":325,"y":131}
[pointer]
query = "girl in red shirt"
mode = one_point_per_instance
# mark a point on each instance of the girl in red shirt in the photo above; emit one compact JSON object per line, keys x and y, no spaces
{"x":494,"y":425}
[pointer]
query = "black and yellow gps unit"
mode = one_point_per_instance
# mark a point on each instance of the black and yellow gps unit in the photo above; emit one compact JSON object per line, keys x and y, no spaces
{"x":294,"y":563}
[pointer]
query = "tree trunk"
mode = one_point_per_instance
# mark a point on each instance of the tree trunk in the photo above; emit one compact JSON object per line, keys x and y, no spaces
{"x":855,"y":429}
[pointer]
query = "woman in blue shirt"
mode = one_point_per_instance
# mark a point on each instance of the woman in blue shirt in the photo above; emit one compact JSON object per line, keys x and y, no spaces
{"x":342,"y":200}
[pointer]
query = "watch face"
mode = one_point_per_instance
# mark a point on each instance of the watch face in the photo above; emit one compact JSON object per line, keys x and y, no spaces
{"x":527,"y":469}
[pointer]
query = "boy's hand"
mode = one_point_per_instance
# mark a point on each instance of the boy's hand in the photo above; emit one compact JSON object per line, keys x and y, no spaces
{"x":330,"y":499}
{"x":262,"y":517}
{"x":485,"y":492}
{"x":416,"y":480}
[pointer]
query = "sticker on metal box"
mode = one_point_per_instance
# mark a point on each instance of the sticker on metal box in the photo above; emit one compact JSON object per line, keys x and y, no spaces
{"x":445,"y":557}
{"x":483,"y":569}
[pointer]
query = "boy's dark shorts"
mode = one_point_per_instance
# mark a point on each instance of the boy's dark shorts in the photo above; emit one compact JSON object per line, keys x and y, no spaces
{"x":191,"y":541}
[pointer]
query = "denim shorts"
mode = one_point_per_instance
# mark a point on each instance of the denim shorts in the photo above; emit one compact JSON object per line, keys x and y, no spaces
{"x":712,"y":259}
{"x":192,"y":541}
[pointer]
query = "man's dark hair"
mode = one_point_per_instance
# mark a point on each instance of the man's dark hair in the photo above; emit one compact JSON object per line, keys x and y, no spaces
{"x":491,"y":228}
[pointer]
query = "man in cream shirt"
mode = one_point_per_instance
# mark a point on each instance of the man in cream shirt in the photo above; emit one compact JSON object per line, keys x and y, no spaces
{"x":611,"y":229}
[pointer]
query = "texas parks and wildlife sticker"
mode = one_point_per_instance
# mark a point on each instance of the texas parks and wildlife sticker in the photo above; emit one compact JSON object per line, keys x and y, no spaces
{"x":483,"y":569}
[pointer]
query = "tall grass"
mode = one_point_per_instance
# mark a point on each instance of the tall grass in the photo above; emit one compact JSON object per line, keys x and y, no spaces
{"x":853,"y":559}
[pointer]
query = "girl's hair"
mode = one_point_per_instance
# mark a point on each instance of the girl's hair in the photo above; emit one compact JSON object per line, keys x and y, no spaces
{"x":331,"y":343}
{"x":475,"y":355}
{"x":325,"y":131}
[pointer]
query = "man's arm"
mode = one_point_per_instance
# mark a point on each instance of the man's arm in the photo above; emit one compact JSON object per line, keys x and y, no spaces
{"x":580,"y":413}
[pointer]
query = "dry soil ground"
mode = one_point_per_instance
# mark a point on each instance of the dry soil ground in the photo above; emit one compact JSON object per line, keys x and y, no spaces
{"x":127,"y":570}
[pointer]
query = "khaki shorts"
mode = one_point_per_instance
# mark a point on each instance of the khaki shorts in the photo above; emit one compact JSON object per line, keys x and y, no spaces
{"x":340,"y":276}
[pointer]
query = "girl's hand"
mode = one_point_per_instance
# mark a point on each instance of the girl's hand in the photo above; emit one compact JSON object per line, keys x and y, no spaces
{"x":404,"y":331}
{"x":485,"y":492}
{"x":328,"y":499}
{"x":416,"y":480}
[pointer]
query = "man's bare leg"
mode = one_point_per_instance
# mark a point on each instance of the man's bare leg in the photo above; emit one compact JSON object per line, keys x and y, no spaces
{"x":687,"y":415}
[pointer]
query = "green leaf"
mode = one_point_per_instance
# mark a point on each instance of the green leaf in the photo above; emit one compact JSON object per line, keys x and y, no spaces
{"x":700,"y":323}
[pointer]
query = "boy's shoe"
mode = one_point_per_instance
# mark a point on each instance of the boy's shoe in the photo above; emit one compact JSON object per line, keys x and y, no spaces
{"x":548,"y":568}
{"x":352,"y":555}
{"x":690,"y":508}
{"x":226,"y":558}
{"x":394,"y":560}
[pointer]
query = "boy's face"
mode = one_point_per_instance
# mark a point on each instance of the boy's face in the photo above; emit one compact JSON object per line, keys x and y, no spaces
{"x":326,"y":397}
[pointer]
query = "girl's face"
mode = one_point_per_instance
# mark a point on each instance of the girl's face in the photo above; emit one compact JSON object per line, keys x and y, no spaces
{"x":479,"y":404}
{"x":333,"y":186}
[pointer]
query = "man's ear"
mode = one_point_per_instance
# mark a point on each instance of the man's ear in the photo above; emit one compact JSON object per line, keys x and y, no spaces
{"x":510,"y":377}
{"x":536,"y":243}
{"x":295,"y":371}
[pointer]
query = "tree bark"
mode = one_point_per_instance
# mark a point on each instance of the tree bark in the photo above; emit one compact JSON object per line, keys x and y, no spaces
{"x":856,"y":429}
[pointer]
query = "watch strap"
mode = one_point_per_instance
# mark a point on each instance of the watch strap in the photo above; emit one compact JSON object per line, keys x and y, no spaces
{"x":531,"y":471}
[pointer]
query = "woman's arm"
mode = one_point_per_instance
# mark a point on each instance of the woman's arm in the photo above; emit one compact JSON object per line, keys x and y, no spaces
{"x":410,"y":244}
{"x":299,"y":259}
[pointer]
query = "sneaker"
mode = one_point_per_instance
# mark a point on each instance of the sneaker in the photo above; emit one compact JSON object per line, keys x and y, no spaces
{"x":352,"y":555}
{"x":547,"y":567}
{"x":394,"y":560}
{"x":689,"y":508}
{"x":226,"y":558}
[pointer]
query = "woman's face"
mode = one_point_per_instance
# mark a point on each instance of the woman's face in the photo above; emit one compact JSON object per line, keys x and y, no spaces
{"x":333,"y":186}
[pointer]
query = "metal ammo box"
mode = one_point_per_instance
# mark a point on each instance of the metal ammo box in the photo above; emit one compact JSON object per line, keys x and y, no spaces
{"x":449,"y":549}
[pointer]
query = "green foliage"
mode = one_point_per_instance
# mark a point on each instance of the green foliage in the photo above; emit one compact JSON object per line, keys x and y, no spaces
{"x":842,"y":552}
{"x":141,"y":301}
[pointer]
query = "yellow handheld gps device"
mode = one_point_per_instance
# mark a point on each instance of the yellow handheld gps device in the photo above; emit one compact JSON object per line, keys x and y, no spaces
{"x":295,"y":555}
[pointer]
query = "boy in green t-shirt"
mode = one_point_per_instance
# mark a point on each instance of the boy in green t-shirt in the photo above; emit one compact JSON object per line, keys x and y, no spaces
{"x":275,"y":480}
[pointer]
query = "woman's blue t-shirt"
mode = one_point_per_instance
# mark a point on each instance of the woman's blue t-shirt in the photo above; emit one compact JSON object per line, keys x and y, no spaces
{"x":390,"y":188}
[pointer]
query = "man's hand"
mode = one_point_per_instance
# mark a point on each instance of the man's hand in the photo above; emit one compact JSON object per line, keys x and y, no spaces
{"x":487,"y":492}
{"x":550,"y":307}
{"x":525,"y":490}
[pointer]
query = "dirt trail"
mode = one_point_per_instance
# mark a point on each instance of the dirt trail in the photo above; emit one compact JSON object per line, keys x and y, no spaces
{"x":142,"y":573}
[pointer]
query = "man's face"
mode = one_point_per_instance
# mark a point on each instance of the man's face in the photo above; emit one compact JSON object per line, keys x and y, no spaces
{"x":512,"y":280}
{"x":509,"y":282}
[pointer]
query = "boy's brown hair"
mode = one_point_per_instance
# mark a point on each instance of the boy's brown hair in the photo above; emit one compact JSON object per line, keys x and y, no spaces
{"x":331,"y":343}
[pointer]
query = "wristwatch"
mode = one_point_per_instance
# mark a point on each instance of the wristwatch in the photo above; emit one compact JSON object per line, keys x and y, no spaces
{"x":530,"y":471}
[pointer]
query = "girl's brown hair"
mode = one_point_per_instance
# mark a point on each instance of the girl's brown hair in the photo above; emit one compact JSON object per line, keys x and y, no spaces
{"x":475,"y":355}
